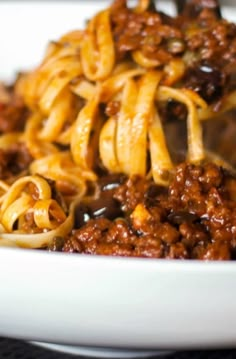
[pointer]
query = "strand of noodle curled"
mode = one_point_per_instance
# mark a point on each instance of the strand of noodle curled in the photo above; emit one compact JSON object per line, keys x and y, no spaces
{"x":50,"y":218}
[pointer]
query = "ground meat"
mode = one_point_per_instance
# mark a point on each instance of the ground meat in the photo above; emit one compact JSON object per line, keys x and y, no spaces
{"x":145,"y":32}
{"x":131,"y":193}
{"x":13,"y":112}
{"x":194,"y":219}
{"x":199,"y":36}
{"x":14,"y":160}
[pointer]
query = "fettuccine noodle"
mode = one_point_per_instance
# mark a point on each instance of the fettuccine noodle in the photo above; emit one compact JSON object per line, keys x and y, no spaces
{"x":68,"y":133}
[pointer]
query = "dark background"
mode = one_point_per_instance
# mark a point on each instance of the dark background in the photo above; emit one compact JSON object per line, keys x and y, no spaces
{"x":15,"y":349}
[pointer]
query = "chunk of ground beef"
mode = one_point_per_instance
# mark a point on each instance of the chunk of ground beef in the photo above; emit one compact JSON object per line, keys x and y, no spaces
{"x":13,"y":112}
{"x":14,"y":160}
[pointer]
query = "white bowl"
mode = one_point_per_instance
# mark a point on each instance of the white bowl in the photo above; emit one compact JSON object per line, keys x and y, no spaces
{"x":129,"y":303}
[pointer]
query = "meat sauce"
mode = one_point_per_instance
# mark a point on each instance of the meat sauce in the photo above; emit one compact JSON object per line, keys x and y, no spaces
{"x":195,"y":218}
{"x":14,"y":161}
{"x":205,"y":41}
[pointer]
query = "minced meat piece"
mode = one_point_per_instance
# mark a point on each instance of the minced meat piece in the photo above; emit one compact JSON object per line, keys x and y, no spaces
{"x":14,"y":160}
{"x":131,"y":193}
{"x":13,"y":112}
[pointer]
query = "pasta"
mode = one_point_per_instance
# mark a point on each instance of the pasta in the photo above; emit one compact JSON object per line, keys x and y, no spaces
{"x":97,"y":105}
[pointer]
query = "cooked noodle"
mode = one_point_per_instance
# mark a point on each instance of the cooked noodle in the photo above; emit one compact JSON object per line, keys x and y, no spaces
{"x":69,"y":135}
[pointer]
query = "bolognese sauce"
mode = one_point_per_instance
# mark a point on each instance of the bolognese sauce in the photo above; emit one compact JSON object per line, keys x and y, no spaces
{"x":121,"y":141}
{"x":194,"y":218}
